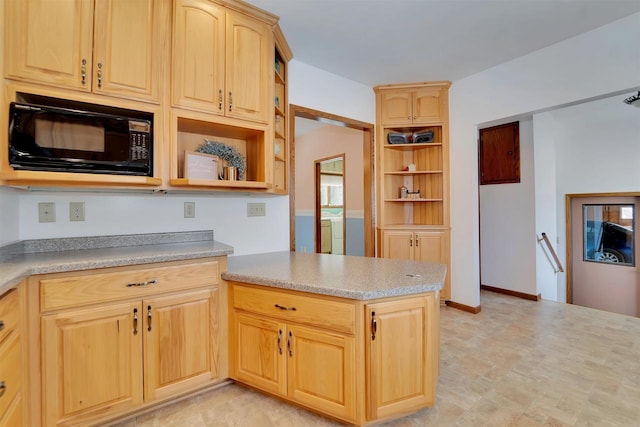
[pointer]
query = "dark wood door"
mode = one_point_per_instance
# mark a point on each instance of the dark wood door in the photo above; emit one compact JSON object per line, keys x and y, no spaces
{"x":499,"y":154}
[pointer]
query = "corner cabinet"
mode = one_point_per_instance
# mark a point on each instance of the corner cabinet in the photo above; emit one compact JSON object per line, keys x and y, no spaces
{"x":357,"y":361}
{"x":413,"y":173}
{"x":281,"y":142}
{"x":142,"y":335}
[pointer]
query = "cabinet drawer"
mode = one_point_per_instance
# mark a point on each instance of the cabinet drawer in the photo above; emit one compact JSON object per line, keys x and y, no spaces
{"x":8,"y":313}
{"x":315,"y":311}
{"x":10,"y":371}
{"x":107,"y":286}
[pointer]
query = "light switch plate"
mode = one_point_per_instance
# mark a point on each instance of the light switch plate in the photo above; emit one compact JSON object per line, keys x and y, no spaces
{"x":47,"y":212}
{"x":189,"y":209}
{"x":256,"y":209}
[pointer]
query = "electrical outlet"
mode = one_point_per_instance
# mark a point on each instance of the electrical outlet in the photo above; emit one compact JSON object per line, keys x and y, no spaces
{"x":47,"y":212}
{"x":256,"y":209}
{"x":189,"y":209}
{"x":76,"y":211}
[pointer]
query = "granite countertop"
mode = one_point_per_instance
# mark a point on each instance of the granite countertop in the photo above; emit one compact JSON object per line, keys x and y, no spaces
{"x":22,"y":259}
{"x":342,"y":276}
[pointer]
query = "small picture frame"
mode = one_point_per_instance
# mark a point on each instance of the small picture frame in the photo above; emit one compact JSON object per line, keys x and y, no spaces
{"x":200,"y":165}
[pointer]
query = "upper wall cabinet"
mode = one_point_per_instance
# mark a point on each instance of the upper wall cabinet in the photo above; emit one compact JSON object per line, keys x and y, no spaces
{"x":405,"y":107}
{"x":221,"y":61}
{"x":110,"y":47}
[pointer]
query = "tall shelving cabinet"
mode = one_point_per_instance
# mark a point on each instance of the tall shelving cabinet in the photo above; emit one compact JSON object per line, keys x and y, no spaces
{"x":282,"y":56}
{"x":414,"y":224}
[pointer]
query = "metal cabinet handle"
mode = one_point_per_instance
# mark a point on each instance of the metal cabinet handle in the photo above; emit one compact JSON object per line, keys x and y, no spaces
{"x":411,"y":241}
{"x":83,"y":70}
{"x":1,"y":325}
{"x":149,"y":318}
{"x":135,"y":321}
{"x":290,"y":344}
{"x":281,"y":307}
{"x":3,"y":388}
{"x":417,"y":241}
{"x":220,"y":99}
{"x":280,"y":341}
{"x":140,"y":284}
{"x":230,"y":100}
{"x":99,"y":74}
{"x":374,"y":325}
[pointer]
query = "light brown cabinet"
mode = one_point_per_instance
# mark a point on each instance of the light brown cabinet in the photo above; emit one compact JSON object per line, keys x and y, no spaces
{"x":412,"y":106}
{"x":281,"y":114}
{"x":110,"y":47}
{"x":279,"y":344}
{"x":115,"y":340}
{"x":413,"y":172}
{"x":401,"y":380}
{"x":221,"y":61}
{"x":11,"y":369}
{"x":317,"y":351}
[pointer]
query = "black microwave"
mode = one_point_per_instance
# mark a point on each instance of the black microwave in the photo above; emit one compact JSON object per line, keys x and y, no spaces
{"x":50,"y":134}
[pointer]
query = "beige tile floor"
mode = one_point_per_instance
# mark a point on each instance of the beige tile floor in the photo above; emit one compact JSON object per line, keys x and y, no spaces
{"x":517,"y":363}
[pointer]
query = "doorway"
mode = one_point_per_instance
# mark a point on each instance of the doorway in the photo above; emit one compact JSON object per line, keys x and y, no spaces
{"x":604,"y":254}
{"x":330,"y":211}
{"x":327,"y":142}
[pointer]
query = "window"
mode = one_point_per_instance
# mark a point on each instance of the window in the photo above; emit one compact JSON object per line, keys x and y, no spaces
{"x":608,"y":233}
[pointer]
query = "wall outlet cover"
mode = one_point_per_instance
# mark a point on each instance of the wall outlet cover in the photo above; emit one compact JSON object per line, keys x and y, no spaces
{"x":76,"y":211}
{"x":256,"y":209}
{"x":189,"y":209}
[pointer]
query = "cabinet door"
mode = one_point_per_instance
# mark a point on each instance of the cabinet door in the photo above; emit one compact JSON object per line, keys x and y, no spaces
{"x":434,"y":246}
{"x":430,"y":246}
{"x":258,"y":353}
{"x":396,"y":108}
{"x":179,"y":342}
{"x":397,"y":244}
{"x":14,"y":416}
{"x":10,"y":372}
{"x":321,"y":370}
{"x":198,"y":55}
{"x":399,"y":365}
{"x":92,"y":362}
{"x":426,"y":105}
{"x":127,"y":48}
{"x":50,"y":41}
{"x":249,"y":65}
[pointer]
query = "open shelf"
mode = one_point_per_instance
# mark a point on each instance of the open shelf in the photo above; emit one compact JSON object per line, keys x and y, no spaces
{"x":191,"y":129}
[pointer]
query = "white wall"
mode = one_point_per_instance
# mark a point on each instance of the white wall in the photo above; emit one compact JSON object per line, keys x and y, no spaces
{"x":507,"y":226}
{"x":597,"y":151}
{"x":546,"y":220}
{"x":316,"y":89}
{"x":594,"y":64}
{"x":111,"y":213}
{"x":9,"y":220}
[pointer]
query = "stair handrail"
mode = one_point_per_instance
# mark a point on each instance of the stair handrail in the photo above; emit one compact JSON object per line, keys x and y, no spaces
{"x":550,"y":249}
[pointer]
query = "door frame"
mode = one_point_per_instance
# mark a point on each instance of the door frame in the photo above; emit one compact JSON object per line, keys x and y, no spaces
{"x":368,"y":166}
{"x":568,"y":198}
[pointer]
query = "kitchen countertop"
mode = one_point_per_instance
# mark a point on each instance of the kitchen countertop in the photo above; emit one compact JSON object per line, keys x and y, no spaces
{"x":350,"y":277}
{"x":70,"y":254}
{"x":341,"y":276}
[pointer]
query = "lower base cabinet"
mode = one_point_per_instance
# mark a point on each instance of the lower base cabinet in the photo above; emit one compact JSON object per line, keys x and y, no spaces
{"x":417,"y":245}
{"x":358,"y":361}
{"x":11,"y":369}
{"x":158,"y":339}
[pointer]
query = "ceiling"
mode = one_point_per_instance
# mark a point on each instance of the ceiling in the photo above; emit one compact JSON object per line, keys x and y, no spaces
{"x":400,"y":41}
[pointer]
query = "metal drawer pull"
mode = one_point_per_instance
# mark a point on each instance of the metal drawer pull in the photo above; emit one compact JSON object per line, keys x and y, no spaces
{"x":284,"y":308}
{"x":99,"y":74}
{"x":149,"y":318}
{"x":147,"y":283}
{"x":3,"y":388}
{"x":280,"y":341}
{"x":374,"y":326}
{"x":135,"y":321}
{"x":83,"y":71}
{"x":290,"y":344}
{"x":1,"y":325}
